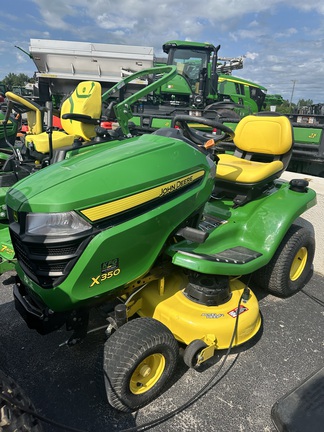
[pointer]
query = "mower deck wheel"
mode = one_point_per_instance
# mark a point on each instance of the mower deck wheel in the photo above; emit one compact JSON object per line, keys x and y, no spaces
{"x":139,"y":360}
{"x":288,"y":269}
{"x":192,"y":351}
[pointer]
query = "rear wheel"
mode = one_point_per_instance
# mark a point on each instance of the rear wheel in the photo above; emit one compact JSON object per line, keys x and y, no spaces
{"x":139,"y":360}
{"x":287,"y":271}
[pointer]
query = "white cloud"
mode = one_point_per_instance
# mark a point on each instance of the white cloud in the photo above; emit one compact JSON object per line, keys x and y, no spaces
{"x":55,"y":12}
{"x":254,"y":27}
{"x":285,"y":34}
{"x":251,"y":55}
{"x":21,"y":58}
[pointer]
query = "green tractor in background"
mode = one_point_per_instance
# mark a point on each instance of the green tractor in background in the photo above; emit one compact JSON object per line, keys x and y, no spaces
{"x":203,"y":86}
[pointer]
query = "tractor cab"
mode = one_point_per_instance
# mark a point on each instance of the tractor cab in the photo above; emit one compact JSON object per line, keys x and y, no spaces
{"x":193,"y":83}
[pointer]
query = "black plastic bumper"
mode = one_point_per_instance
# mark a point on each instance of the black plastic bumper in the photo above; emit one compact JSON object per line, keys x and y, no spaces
{"x":36,"y":315}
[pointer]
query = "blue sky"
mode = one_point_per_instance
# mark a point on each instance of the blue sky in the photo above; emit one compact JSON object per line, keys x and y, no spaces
{"x":282,"y":40}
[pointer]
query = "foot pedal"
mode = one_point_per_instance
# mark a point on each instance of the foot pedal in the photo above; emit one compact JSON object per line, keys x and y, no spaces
{"x":193,"y":234}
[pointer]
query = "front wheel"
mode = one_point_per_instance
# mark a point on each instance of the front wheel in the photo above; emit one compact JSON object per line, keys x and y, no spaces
{"x":288,"y":269}
{"x":139,"y":360}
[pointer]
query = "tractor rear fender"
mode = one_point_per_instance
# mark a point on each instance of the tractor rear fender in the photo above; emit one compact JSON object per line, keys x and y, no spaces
{"x":249,"y":235}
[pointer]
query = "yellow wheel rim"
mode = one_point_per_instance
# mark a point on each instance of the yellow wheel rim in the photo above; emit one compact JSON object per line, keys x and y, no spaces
{"x":298,"y":264}
{"x":147,"y":374}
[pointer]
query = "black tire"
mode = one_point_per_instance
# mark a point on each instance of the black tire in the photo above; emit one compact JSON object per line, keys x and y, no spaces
{"x":288,"y":269}
{"x":12,"y":417}
{"x":139,"y":360}
{"x":228,"y":114}
{"x":191,"y":353}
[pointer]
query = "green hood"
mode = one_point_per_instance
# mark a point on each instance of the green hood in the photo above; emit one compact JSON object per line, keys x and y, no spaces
{"x":123,"y":168}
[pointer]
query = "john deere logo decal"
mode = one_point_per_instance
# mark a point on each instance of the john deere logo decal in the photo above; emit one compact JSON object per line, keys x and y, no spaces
{"x":113,"y":208}
{"x":171,"y":187}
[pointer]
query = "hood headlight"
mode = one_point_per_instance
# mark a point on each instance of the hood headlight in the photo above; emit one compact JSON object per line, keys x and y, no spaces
{"x":55,"y":224}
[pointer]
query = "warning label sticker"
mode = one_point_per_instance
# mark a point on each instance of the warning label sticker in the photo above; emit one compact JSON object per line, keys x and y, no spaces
{"x":234,"y":312}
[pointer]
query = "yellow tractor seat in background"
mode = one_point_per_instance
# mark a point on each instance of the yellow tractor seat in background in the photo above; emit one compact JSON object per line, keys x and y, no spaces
{"x":84,"y":104}
{"x":263,"y":147}
{"x":33,"y":111}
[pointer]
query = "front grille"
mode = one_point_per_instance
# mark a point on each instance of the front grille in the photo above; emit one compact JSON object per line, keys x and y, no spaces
{"x":21,"y":254}
{"x":48,"y":262}
{"x":54,"y":251}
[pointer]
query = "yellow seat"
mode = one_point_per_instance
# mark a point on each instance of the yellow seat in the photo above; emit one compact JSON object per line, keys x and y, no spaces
{"x":84,"y":101}
{"x":246,"y":171}
{"x":263,"y":147}
{"x":34,"y":112}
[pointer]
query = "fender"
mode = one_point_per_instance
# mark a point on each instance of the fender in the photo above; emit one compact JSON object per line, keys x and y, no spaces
{"x":244,"y":239}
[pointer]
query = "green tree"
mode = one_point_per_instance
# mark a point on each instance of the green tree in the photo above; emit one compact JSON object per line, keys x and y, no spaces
{"x":305,"y":102}
{"x":17,"y":80}
{"x":285,"y":108}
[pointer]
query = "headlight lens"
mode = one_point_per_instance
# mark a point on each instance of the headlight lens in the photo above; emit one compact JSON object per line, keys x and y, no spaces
{"x":55,"y":224}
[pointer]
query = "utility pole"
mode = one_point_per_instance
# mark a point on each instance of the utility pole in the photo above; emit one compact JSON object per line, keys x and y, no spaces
{"x":292,"y":93}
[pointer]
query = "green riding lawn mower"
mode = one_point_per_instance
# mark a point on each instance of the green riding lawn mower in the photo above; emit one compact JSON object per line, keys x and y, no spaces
{"x":163,"y":234}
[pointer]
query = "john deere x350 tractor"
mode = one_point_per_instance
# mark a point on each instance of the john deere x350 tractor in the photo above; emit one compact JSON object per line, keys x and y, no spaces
{"x":161,"y":228}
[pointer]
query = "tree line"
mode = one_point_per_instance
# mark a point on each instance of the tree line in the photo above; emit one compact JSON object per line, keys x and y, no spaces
{"x":11,"y":80}
{"x":285,"y":106}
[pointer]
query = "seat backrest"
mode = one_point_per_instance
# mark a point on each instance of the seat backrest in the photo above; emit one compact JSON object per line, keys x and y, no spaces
{"x":33,"y":112}
{"x":86,"y":100}
{"x":264,"y":134}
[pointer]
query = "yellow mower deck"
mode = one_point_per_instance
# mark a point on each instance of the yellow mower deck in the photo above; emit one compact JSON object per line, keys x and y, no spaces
{"x":165,"y":301}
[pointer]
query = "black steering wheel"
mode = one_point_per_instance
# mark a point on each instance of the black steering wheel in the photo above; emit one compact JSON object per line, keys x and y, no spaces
{"x":200,"y":138}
